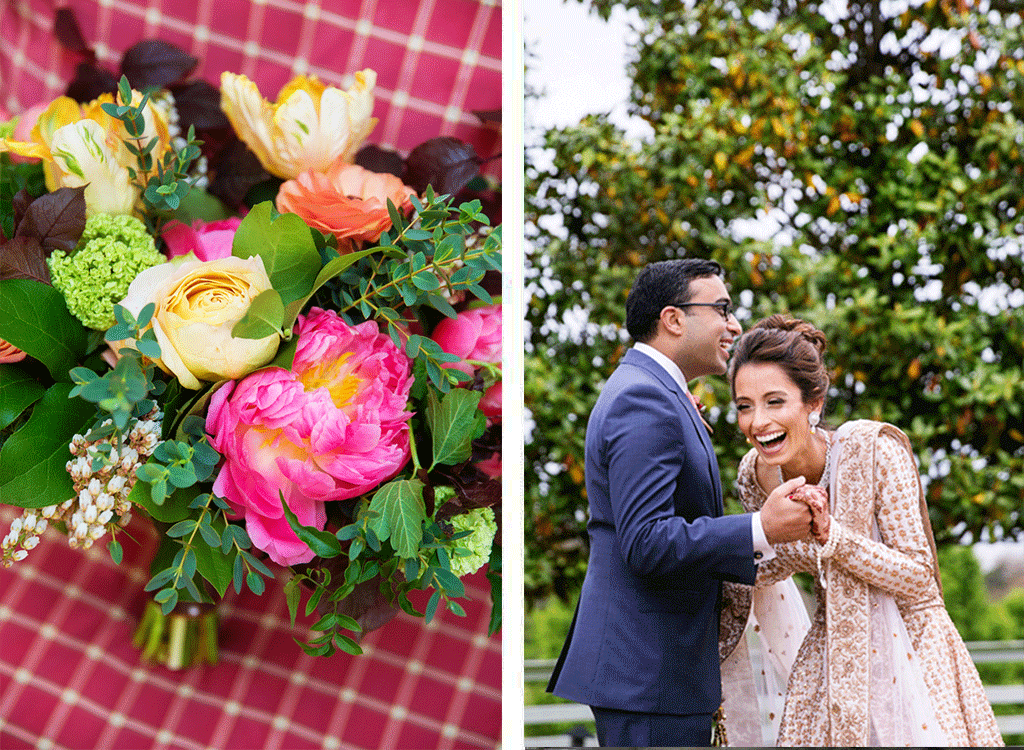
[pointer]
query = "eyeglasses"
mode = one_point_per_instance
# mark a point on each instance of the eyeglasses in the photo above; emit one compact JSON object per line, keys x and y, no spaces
{"x":725,"y":309}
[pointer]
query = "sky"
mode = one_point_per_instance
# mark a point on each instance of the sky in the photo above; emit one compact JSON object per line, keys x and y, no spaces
{"x":577,"y":59}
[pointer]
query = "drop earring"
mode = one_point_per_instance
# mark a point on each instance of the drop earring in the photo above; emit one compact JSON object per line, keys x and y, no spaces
{"x":813,"y":418}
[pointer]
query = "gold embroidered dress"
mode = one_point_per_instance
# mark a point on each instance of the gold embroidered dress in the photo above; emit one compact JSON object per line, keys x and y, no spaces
{"x":843,"y":688}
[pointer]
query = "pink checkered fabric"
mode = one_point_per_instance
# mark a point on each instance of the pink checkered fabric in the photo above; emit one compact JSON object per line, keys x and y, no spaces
{"x":70,"y":678}
{"x":437,"y":61}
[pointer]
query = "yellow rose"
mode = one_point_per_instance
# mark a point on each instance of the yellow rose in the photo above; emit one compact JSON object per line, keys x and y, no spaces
{"x":197,"y":305}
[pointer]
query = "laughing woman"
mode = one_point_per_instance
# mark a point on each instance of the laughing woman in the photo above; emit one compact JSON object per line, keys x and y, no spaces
{"x":881,"y":663}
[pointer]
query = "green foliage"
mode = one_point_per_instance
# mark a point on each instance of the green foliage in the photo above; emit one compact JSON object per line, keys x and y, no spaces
{"x":15,"y":177}
{"x":977,"y":619}
{"x":33,"y":458}
{"x":164,"y":181}
{"x":35,"y":318}
{"x":123,"y":391}
{"x":907,"y":257}
{"x":454,"y":421}
{"x":391,"y":541}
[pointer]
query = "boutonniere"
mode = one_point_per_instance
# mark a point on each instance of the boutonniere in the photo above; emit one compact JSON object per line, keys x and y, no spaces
{"x":701,"y":408}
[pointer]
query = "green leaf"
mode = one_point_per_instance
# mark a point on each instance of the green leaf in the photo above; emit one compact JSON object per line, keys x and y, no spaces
{"x":494,"y":576}
{"x":403,"y":512}
{"x":292,"y":595}
{"x":289,"y":253}
{"x":334,"y":267}
{"x":314,"y":600}
{"x":116,"y":552}
{"x":264,"y":317}
{"x":17,"y":392}
{"x":255,"y":583}
{"x":453,"y":423}
{"x":347,"y":645}
{"x":173,"y":508}
{"x":34,"y":318}
{"x":238,"y":574}
{"x":209,"y":535}
{"x":451,"y":583}
{"x":33,"y":459}
{"x":157,"y":581}
{"x":396,"y":218}
{"x":323,"y":543}
{"x":182,"y":476}
{"x":213,"y":564}
{"x":432,"y":606}
{"x":182,"y":528}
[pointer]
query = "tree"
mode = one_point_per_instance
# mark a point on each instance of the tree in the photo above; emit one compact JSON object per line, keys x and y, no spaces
{"x":881,"y":145}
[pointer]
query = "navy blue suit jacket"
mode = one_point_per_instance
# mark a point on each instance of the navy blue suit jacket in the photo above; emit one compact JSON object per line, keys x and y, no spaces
{"x":645,"y":634}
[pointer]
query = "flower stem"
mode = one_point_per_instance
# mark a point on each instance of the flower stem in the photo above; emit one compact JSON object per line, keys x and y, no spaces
{"x":184,"y":638}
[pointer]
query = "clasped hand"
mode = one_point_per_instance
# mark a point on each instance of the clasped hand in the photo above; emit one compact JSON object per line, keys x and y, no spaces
{"x":816,"y":498}
{"x":796,"y":510}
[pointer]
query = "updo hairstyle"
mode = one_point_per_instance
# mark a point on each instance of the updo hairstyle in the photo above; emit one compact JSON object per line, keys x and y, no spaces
{"x":794,"y":345}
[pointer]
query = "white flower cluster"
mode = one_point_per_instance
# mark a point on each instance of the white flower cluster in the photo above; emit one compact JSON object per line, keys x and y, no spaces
{"x":23,"y":536}
{"x":101,"y":500}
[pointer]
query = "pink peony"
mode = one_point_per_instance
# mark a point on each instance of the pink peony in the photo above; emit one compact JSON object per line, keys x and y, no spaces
{"x":207,"y":241}
{"x":332,"y":428}
{"x":475,"y":334}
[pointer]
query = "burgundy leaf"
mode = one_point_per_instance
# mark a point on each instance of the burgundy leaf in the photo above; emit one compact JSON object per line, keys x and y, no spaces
{"x":20,"y":203}
{"x":56,"y":219}
{"x":367,"y":606}
{"x":155,"y":63}
{"x":198,"y":104}
{"x":235,"y":173}
{"x":488,"y":115}
{"x":380,"y":160}
{"x":68,"y":32}
{"x":445,"y":162}
{"x":89,"y":82}
{"x":24,"y":258}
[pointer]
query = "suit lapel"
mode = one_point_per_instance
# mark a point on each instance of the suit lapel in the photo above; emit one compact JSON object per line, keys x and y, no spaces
{"x":642,"y":360}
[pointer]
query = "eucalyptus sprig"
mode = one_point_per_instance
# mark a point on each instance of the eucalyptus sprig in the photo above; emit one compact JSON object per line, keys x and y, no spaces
{"x":211,"y":548}
{"x":163,"y":181}
{"x":422,"y":261}
{"x":123,"y":392}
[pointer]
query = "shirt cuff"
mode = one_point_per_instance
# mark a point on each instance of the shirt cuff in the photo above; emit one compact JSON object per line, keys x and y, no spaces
{"x":763,"y":552}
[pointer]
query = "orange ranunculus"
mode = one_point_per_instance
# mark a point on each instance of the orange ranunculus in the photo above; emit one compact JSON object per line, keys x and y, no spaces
{"x":347,"y":201}
{"x":10,"y":353}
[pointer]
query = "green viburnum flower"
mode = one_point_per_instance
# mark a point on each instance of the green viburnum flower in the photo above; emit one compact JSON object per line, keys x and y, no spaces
{"x":481,"y":522}
{"x":113,"y":250}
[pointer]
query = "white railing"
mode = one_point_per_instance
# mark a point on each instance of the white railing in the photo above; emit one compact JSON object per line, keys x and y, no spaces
{"x":539,"y":670}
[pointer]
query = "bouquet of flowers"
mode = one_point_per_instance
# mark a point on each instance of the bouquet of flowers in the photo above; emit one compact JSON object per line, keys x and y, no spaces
{"x":277,"y":343}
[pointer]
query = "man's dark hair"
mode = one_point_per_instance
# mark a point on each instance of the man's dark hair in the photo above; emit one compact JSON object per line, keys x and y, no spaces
{"x":659,"y":285}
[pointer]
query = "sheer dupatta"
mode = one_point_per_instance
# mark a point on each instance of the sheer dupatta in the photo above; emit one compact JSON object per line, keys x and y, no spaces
{"x":755,"y":674}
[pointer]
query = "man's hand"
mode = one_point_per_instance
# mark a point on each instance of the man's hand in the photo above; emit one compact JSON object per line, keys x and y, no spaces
{"x":784,"y":519}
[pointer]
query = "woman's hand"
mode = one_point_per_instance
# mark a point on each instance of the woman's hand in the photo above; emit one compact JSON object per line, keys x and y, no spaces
{"x":815,"y":498}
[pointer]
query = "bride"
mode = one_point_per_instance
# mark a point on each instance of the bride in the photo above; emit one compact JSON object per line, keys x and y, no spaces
{"x":881,"y":663}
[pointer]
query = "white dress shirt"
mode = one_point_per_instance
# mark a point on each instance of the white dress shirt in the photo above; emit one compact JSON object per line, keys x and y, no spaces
{"x":762,"y":550}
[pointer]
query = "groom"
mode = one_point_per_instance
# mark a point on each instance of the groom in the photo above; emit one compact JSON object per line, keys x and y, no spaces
{"x":642,"y":650}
